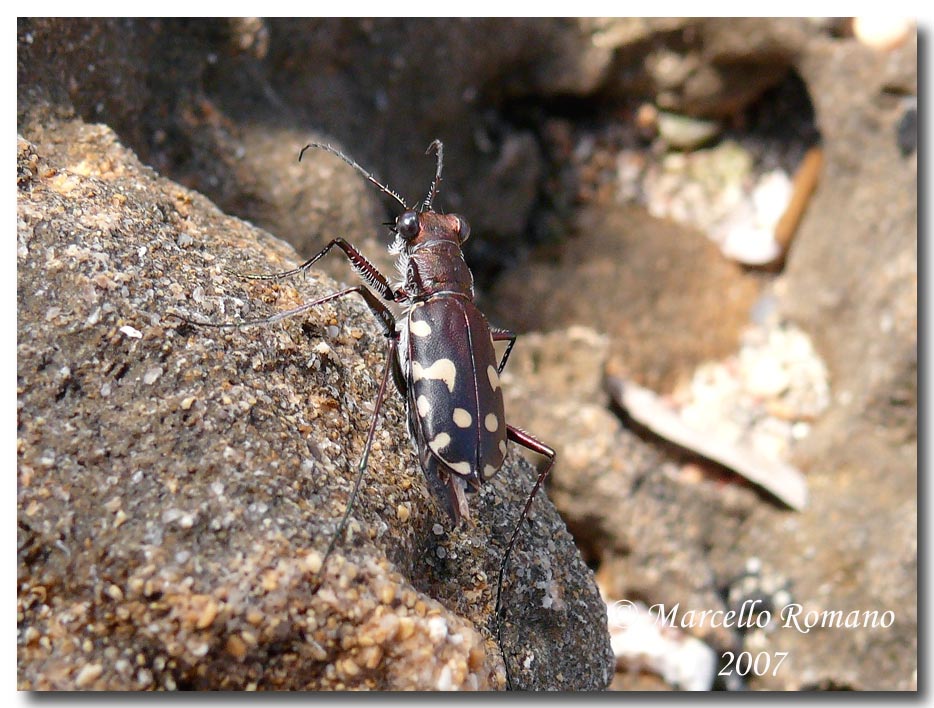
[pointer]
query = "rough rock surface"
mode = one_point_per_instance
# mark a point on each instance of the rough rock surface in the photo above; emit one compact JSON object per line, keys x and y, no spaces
{"x":851,"y":281}
{"x":178,"y":485}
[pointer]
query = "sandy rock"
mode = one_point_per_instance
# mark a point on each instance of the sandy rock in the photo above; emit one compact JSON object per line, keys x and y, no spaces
{"x":178,"y":485}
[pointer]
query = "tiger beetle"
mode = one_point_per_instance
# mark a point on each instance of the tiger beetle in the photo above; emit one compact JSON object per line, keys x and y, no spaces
{"x":441,"y":355}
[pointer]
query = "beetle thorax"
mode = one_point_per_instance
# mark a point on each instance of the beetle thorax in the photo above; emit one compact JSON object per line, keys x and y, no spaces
{"x":438,"y":267}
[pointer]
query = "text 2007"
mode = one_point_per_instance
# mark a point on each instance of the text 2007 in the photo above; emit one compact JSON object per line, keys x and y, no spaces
{"x":745,"y":663}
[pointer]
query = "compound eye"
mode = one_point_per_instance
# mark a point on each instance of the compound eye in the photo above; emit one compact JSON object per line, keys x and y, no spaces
{"x":407,"y":225}
{"x":463,"y":228}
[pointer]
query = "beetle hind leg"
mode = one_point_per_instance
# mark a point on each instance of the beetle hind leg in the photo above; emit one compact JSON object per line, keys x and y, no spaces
{"x":529,"y":442}
{"x":520,"y":437}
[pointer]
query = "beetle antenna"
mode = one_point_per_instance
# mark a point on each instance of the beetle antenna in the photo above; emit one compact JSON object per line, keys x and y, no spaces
{"x":334,"y":151}
{"x":438,"y":147}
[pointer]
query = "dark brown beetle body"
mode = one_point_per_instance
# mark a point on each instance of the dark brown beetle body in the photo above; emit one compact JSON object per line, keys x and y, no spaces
{"x":454,"y":400}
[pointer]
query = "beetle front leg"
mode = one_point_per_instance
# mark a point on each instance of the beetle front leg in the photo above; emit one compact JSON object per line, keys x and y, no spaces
{"x":358,"y":261}
{"x":383,"y":314}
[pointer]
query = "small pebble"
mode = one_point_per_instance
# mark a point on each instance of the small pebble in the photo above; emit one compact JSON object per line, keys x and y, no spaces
{"x":646,"y":119}
{"x":236,"y":647}
{"x":684,"y":132}
{"x":88,"y":675}
{"x":313,"y":562}
{"x":208,"y":614}
{"x":750,"y":246}
{"x":765,"y":376}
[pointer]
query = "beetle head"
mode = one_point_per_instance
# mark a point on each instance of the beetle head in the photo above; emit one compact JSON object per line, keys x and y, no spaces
{"x":415,"y":229}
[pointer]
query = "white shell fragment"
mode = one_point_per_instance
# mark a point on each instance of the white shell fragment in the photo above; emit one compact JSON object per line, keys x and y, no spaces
{"x":640,"y":639}
{"x":782,"y":480}
{"x":751,"y":239}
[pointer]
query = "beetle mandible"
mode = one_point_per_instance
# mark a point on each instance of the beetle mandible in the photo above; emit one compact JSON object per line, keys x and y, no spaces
{"x":441,"y":354}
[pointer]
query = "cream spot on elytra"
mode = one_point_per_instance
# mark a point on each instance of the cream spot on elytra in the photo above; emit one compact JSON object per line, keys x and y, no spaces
{"x":462,"y":418}
{"x":494,"y":377}
{"x":459,"y":467}
{"x":491,"y":422}
{"x":419,"y":328}
{"x":421,"y":404}
{"x":442,"y":369}
{"x":440,"y":441}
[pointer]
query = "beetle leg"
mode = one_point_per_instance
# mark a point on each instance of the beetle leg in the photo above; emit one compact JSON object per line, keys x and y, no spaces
{"x":385,"y":316}
{"x":361,"y":468}
{"x":364,"y":268}
{"x":529,"y":442}
{"x":388,"y":322}
{"x":503,"y":335}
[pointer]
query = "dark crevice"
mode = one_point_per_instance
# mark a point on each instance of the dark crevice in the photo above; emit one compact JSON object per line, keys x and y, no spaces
{"x":777,"y":130}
